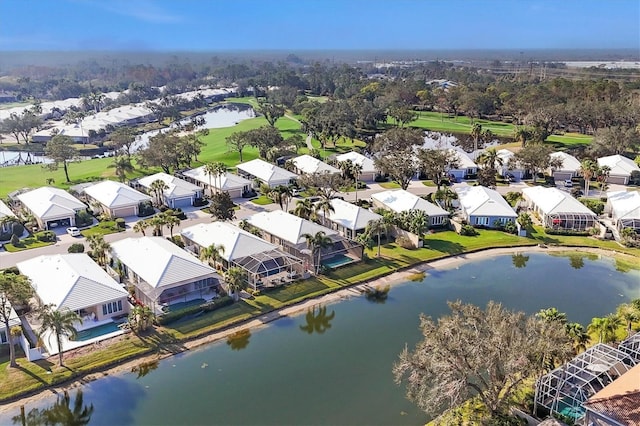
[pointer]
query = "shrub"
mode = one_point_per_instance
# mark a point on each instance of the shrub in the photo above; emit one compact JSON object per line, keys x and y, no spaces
{"x":76,"y":248}
{"x":177,"y":240}
{"x":145,"y":209}
{"x":17,"y":229}
{"x":511,"y":227}
{"x":83,"y":218}
{"x":468,"y":231}
{"x":199,"y":202}
{"x":120,"y":223}
{"x":405,"y":242}
{"x":567,"y":232}
{"x":380,"y":178}
{"x":595,"y":206}
{"x":46,"y":236}
{"x":15,"y":240}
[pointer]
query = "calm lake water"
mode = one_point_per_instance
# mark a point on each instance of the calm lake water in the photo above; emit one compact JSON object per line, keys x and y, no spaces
{"x":337,"y":370}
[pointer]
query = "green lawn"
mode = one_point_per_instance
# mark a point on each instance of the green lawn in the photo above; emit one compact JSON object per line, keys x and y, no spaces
{"x":26,"y":244}
{"x":389,"y":185}
{"x":102,"y":228}
{"x":262,"y":200}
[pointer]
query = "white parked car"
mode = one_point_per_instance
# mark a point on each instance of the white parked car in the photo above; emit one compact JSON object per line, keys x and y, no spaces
{"x":568,"y":183}
{"x":73,"y":231}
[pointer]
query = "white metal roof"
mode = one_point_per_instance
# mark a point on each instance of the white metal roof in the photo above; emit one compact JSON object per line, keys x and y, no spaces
{"x":237,"y":243}
{"x":400,"y":200}
{"x":625,"y":204}
{"x":569,"y":162}
{"x":350,"y":216}
{"x":367,"y":164}
{"x":229,"y":180}
{"x":175,"y":187}
{"x":13,"y":317}
{"x":115,"y":194}
{"x":158,"y":261}
{"x":464,"y":161}
{"x":48,"y":202}
{"x":619,"y":165}
{"x":5,"y":210}
{"x":552,"y":200}
{"x":481,"y":201}
{"x":309,"y":165}
{"x":72,"y":281}
{"x":286,"y":226}
{"x":267,"y":172}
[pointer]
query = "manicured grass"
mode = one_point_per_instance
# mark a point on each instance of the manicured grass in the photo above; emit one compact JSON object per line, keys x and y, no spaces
{"x":570,"y":139}
{"x":389,"y":185}
{"x":428,"y":183}
{"x":26,"y":244}
{"x":262,"y":200}
{"x":102,"y":228}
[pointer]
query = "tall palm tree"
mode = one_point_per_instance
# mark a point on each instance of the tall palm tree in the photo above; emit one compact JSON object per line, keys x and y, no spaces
{"x":122,"y":166}
{"x":305,"y":209}
{"x":629,"y":314}
{"x":234,"y":278}
{"x":522,"y":135}
{"x":158,"y":187}
{"x":605,"y":327}
{"x":141,"y":227}
{"x":60,"y":323}
{"x":212,"y":254}
{"x":588,"y":169}
{"x":13,"y":287}
{"x":316,"y":243}
{"x":217,"y":170}
{"x":476,"y":134}
{"x":602,"y":176}
{"x":490,"y":159}
{"x":170,"y":221}
{"x":99,"y":248}
{"x":356,"y":171}
{"x":579,"y":335}
{"x":552,"y":315}
{"x":157,"y":222}
{"x":324,"y":206}
{"x":281,"y":194}
{"x":378,"y":227}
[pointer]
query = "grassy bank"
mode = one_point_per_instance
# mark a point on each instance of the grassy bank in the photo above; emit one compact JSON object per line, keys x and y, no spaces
{"x":170,"y":339}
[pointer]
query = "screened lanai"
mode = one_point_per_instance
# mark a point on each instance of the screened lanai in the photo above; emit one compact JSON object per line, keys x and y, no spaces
{"x":572,"y":221}
{"x":631,"y":346}
{"x":565,"y":389}
{"x":265,"y":267}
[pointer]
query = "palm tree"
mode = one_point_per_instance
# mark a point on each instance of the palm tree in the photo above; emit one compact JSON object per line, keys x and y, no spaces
{"x":490,"y":159}
{"x":356,"y":170}
{"x":141,"y":226}
{"x":325,"y":206}
{"x":629,"y":314}
{"x":524,"y":220}
{"x":122,"y":166}
{"x":522,"y":135}
{"x":476,"y":133}
{"x":16,"y":288}
{"x":140,"y":318}
{"x":158,"y":187}
{"x":317,"y":322}
{"x":99,"y":248}
{"x":605,"y":328}
{"x":418,"y":222}
{"x":234,"y":278}
{"x":552,"y":315}
{"x":602,"y":176}
{"x":281,"y":194}
{"x":305,"y":209}
{"x":346,"y":167}
{"x":579,"y":336}
{"x":378,"y":227}
{"x":60,"y":413}
{"x":60,"y":323}
{"x":316,"y":243}
{"x":171,"y":221}
{"x":588,"y":168}
{"x":217,"y":170}
{"x":157,"y":222}
{"x":212,"y":254}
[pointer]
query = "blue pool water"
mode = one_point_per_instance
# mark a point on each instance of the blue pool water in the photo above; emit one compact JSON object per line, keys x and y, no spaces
{"x":337,"y":260}
{"x":181,"y":305}
{"x":98,"y":331}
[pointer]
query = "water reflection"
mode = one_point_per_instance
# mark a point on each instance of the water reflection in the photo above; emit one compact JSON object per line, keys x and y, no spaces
{"x":519,"y":260}
{"x":317,"y":322}
{"x":60,"y":413}
{"x":239,"y":340}
{"x":377,"y":294}
{"x":144,"y":368}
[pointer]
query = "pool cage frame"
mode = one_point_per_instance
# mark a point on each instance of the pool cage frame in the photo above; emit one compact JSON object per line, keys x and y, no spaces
{"x":631,"y":346}
{"x":262,"y":265}
{"x":633,"y":223}
{"x":559,"y":221}
{"x":575,"y":382}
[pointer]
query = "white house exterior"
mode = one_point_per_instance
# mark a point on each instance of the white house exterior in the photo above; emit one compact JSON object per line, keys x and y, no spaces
{"x":52,"y":206}
{"x":75,"y":282}
{"x":228,"y":182}
{"x":624,"y":208}
{"x":116,"y":199}
{"x":620,"y":168}
{"x":268,"y":173}
{"x":570,"y":166}
{"x":14,"y":321}
{"x":558,"y":209}
{"x":349,"y":219}
{"x":466,"y":166}
{"x":399,"y":200}
{"x":507,"y":158}
{"x":179,"y":193}
{"x":368,"y":172}
{"x":163,"y":273}
{"x":484,"y":207}
{"x":5,"y":212}
{"x":306,"y":165}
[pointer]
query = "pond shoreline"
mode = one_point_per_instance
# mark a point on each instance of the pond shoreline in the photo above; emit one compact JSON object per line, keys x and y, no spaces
{"x":293,"y":310}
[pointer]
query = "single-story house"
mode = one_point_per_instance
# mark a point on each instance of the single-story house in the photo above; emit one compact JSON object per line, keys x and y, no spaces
{"x":558,"y":209}
{"x":268,"y":173}
{"x":348,"y":219}
{"x":116,"y":199}
{"x":75,"y":282}
{"x":399,"y":200}
{"x":368,"y":172}
{"x":570,"y":166}
{"x":179,"y":193}
{"x":162,"y":273}
{"x":228,"y":182}
{"x":258,"y":258}
{"x":5,"y":212}
{"x":307,"y":165}
{"x":484,"y":207}
{"x":14,"y":321}
{"x":620,"y":168}
{"x":624,"y":208}
{"x":52,"y":207}
{"x":289,"y":232}
{"x":508,"y":166}
{"x":617,"y":404}
{"x":466,"y":166}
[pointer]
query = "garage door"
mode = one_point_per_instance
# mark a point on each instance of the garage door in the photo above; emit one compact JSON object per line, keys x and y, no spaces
{"x":620,"y":180}
{"x":125,"y":211}
{"x":182,"y":202}
{"x":560,"y":176}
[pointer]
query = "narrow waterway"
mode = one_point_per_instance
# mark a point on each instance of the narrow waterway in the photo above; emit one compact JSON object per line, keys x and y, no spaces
{"x":333,"y":366}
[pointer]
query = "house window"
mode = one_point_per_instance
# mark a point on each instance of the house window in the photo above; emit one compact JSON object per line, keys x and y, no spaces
{"x":112,"y":307}
{"x":3,"y":336}
{"x":482,"y":221}
{"x":104,"y":309}
{"x":437,"y":220}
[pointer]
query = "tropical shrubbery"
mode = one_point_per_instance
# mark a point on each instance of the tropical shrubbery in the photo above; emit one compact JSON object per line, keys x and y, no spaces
{"x":567,"y":232}
{"x":468,"y":231}
{"x":596,"y":206}
{"x":76,"y":248}
{"x":46,"y":236}
{"x":145,"y":209}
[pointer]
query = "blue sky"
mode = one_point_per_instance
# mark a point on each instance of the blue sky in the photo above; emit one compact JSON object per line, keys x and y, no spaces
{"x":208,"y":25}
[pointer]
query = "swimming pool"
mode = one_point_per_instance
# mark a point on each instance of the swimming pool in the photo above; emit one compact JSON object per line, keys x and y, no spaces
{"x":337,"y":260}
{"x":101,"y":330}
